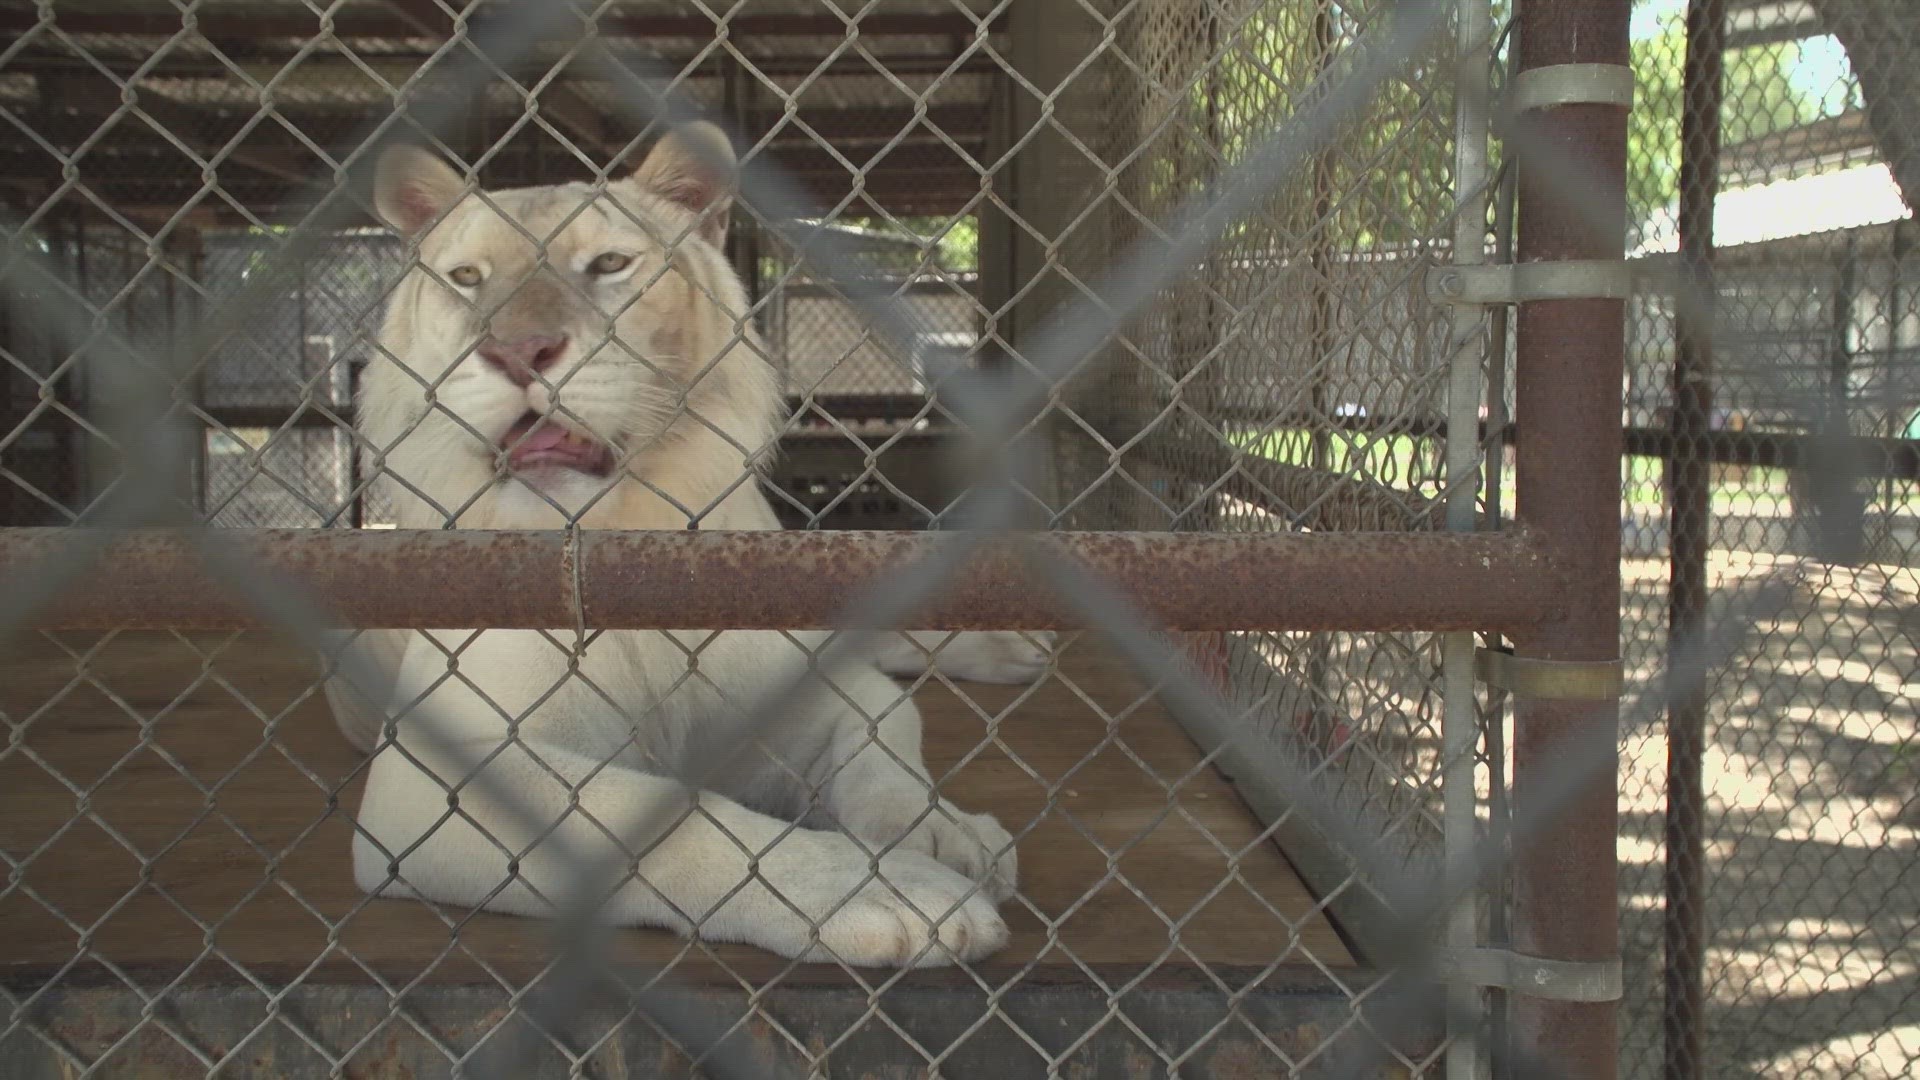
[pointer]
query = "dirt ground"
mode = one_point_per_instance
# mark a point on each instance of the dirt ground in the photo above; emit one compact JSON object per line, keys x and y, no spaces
{"x":1812,"y":769}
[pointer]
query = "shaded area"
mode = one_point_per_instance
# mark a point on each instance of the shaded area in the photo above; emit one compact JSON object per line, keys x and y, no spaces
{"x":189,"y":850}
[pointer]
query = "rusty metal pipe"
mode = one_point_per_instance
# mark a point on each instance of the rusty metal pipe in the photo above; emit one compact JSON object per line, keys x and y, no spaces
{"x":1690,"y":489}
{"x":799,"y":580}
{"x":1569,"y":366}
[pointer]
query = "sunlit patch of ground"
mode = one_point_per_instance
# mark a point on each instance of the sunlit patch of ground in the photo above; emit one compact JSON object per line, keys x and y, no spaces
{"x":1811,"y":772}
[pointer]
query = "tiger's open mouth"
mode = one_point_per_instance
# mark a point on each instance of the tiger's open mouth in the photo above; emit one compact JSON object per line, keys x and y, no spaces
{"x":536,"y":442}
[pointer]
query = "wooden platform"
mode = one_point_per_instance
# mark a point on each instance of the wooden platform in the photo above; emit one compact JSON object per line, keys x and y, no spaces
{"x":215,"y":759}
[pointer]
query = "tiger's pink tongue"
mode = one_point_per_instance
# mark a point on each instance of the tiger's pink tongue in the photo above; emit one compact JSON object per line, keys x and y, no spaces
{"x":532,"y":442}
{"x":544,"y":437}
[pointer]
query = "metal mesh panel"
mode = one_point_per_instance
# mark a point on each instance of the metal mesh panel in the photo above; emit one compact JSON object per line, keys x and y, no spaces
{"x":281,"y":387}
{"x":142,"y":293}
{"x":1760,"y":866}
{"x":865,"y":434}
{"x":266,"y":333}
{"x":267,"y":381}
{"x":259,"y":478}
{"x":826,"y":349}
{"x":300,"y":349}
{"x":1139,"y":266}
{"x":1296,"y":382}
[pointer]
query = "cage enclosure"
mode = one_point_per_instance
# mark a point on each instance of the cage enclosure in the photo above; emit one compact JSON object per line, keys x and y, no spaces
{"x":1273,"y":364}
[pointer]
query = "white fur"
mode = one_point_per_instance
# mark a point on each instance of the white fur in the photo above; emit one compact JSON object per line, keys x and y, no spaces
{"x":616,"y":721}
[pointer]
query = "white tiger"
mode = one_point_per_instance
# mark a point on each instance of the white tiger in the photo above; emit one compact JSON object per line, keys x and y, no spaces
{"x":549,"y":418}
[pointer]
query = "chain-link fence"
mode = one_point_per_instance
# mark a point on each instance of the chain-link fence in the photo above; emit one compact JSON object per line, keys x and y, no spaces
{"x":1763,"y":880}
{"x":1264,"y":351}
{"x":1284,"y":386}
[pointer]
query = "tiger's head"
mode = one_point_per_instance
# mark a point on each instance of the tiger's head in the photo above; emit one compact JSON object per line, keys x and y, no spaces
{"x":569,"y":352}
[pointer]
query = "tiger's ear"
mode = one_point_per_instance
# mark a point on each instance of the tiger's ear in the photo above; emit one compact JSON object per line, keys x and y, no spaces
{"x":695,"y":167}
{"x":412,"y":188}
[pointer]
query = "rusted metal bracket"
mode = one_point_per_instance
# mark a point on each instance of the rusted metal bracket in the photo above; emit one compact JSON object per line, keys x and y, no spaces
{"x":1578,"y":279}
{"x":1554,"y":980}
{"x":1570,"y":84}
{"x":1598,"y":680}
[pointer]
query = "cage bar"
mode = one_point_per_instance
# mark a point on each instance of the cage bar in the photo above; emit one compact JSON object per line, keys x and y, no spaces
{"x":407,"y":579}
{"x":1568,"y":372}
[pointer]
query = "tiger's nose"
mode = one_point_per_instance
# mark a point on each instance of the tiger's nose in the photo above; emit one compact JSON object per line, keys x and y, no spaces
{"x":520,"y":358}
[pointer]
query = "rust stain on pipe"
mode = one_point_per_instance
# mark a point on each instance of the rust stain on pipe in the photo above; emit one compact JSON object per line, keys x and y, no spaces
{"x":1569,"y":357}
{"x":801,"y":580}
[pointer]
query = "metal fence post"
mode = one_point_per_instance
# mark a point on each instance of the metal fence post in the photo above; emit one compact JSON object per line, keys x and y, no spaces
{"x":1460,"y":722}
{"x":1839,"y":520}
{"x":1690,"y":482}
{"x":1568,"y":376}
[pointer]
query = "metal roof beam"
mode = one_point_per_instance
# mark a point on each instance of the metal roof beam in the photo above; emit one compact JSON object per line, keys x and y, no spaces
{"x":352,"y":26}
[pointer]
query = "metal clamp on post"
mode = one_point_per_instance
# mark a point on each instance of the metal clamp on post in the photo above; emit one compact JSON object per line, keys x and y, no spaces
{"x":1554,"y":980}
{"x":1595,"y":279}
{"x":1595,"y":680}
{"x":1570,"y":84}
{"x":1592,"y":279}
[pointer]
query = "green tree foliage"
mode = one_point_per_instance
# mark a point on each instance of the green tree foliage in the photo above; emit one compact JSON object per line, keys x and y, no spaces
{"x":1759,"y":100}
{"x":1387,"y":179}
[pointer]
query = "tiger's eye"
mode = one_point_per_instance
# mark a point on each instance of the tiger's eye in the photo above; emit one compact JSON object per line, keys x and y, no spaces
{"x":611,"y":262}
{"x":466,"y":277}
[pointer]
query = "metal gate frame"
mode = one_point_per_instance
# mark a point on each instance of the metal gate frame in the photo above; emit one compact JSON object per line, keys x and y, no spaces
{"x":1551,"y":583}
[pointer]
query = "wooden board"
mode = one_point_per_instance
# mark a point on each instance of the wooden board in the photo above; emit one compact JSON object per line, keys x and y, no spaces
{"x":216,"y":761}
